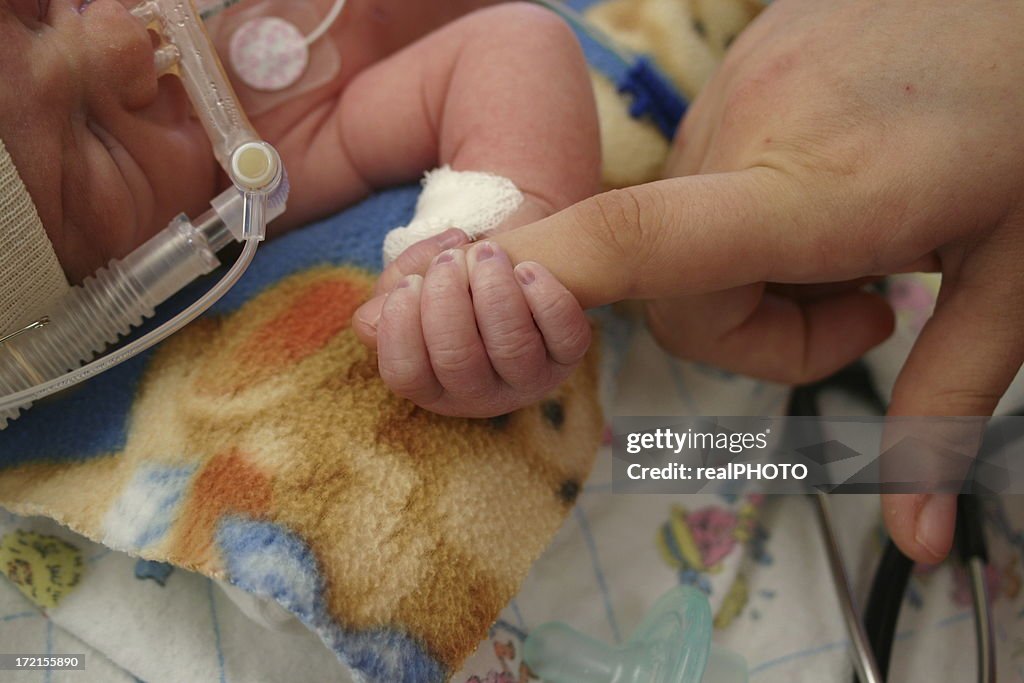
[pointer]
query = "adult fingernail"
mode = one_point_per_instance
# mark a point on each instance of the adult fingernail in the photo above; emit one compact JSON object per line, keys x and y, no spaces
{"x":369,"y":313}
{"x":525,"y":274}
{"x":933,"y":528}
{"x":451,"y":238}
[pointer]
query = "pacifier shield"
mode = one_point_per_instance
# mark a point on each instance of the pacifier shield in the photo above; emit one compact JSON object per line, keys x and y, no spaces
{"x":269,"y":53}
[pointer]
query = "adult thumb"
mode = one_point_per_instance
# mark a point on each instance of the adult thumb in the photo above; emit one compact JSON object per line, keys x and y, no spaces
{"x":960,"y":366}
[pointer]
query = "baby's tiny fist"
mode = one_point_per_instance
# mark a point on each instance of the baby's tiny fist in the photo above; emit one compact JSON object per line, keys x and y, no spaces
{"x":476,"y":337}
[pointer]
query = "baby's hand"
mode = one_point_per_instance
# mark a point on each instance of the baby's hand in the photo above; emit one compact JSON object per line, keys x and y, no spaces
{"x":473,"y":337}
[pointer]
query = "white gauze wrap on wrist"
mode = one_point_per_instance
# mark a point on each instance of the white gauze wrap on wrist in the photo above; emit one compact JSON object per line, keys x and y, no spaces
{"x":31,"y":279}
{"x":471,"y":201}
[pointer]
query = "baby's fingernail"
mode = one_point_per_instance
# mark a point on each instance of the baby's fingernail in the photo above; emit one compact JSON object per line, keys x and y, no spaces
{"x":525,"y":274}
{"x":409,"y":282}
{"x":934,"y":526}
{"x":484,"y":251}
{"x":445,"y":257}
{"x":451,"y":238}
{"x":369,"y":313}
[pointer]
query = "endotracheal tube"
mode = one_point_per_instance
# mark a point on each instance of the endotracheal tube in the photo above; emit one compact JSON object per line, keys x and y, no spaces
{"x":49,"y":355}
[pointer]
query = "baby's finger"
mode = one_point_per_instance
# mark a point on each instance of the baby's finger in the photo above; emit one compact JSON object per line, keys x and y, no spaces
{"x":366,"y":318}
{"x":513,"y":344}
{"x":401,"y":351}
{"x":556,"y":312}
{"x":453,"y":343}
{"x":416,"y":259}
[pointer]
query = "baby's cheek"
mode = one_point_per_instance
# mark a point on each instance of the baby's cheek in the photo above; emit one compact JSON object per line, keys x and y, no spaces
{"x":98,"y":213}
{"x":119,"y":55}
{"x":182,"y":172}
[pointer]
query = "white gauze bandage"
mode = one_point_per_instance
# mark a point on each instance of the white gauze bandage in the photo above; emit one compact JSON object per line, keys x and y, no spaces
{"x":471,"y":201}
{"x":31,"y":279}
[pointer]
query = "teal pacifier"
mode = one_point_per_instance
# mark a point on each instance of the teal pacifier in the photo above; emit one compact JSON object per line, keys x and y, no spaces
{"x":672,"y":645}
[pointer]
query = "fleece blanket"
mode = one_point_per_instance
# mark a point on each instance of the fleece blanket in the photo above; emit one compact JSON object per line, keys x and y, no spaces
{"x":259,"y":447}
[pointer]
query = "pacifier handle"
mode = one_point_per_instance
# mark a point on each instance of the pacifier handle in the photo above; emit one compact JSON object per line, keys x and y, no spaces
{"x":671,"y":645}
{"x":560,"y":654}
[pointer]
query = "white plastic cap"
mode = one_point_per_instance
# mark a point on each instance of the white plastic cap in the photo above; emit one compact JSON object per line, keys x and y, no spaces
{"x":255,"y":166}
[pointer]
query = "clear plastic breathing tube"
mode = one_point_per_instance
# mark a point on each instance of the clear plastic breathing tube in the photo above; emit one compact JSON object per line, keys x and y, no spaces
{"x":49,"y":355}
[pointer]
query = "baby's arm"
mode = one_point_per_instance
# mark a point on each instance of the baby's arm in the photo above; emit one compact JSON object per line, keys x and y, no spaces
{"x":504,"y":91}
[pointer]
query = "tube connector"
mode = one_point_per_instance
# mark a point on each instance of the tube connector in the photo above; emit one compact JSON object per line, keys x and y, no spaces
{"x":95,"y":315}
{"x":256,"y":167}
{"x":256,"y":172}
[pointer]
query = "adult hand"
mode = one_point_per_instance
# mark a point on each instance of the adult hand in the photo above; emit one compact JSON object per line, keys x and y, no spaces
{"x":839,"y":141}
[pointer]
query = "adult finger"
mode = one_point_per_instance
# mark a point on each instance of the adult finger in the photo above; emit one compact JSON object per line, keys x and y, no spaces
{"x":759,"y":334}
{"x":689,"y":235}
{"x":965,"y":358}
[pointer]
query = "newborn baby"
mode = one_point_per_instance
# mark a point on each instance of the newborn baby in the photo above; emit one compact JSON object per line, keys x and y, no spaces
{"x":110,"y":153}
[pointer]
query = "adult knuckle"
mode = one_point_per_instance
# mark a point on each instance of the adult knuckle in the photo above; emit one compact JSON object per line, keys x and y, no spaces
{"x":623,"y":224}
{"x":618,"y":221}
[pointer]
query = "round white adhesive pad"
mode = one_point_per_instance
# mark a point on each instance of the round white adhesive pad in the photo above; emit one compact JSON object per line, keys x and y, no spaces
{"x":269,"y":53}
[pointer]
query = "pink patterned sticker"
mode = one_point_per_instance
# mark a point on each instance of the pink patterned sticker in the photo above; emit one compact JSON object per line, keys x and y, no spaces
{"x":269,"y":53}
